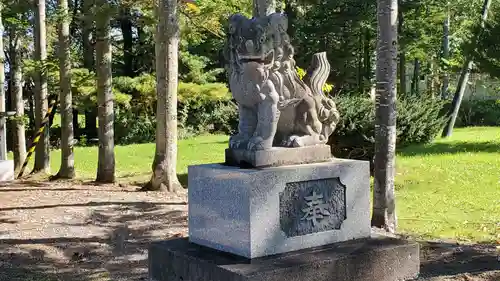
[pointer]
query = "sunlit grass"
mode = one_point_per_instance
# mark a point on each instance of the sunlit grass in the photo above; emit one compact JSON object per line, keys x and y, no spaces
{"x":451,"y":188}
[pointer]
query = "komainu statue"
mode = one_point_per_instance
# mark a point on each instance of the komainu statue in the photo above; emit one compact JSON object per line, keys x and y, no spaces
{"x":276,"y":108}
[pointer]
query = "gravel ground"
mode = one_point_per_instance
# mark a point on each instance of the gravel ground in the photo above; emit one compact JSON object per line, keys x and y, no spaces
{"x":84,"y":232}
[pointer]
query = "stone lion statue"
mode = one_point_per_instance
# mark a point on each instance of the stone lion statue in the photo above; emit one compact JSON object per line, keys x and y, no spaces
{"x":276,"y":108}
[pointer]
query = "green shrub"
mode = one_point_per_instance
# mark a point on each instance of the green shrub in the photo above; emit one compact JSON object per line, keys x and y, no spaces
{"x":131,"y":128}
{"x":479,"y":113}
{"x":419,"y":120}
{"x":206,"y":108}
{"x":203,"y":108}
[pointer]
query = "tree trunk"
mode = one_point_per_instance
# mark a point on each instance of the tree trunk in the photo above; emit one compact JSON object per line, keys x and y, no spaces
{"x":167,"y":52}
{"x":402,"y":56}
{"x":19,"y":141}
{"x":42,"y":155}
{"x":262,"y":8}
{"x":89,"y":63}
{"x":106,"y":161}
{"x":415,"y":81}
{"x":128,"y":42}
{"x":291,"y":13}
{"x":76,"y":126}
{"x":88,"y":26}
{"x":91,"y":123}
{"x":446,"y":56}
{"x":67,"y":169}
{"x":3,"y":120}
{"x":464,"y":77}
{"x":384,"y":211}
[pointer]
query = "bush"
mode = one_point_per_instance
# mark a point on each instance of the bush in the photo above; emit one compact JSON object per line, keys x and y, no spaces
{"x":419,"y":120}
{"x":131,"y":128}
{"x":202,"y":109}
{"x":479,"y":113}
{"x":207,"y":108}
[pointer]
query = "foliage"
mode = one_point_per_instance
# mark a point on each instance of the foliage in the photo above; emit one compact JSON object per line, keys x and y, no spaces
{"x":327,"y":88}
{"x":418,"y":121}
{"x":131,"y":128}
{"x":479,"y":113}
{"x":487,"y":53}
{"x":203,"y":108}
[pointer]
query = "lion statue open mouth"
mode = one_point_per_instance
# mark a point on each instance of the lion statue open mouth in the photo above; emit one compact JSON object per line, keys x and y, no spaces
{"x":276,"y":108}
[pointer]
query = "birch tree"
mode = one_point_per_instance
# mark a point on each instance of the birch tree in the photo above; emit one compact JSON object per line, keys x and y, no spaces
{"x":464,"y":76}
{"x":384,"y":212}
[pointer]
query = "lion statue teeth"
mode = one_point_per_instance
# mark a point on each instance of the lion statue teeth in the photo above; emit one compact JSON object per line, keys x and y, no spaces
{"x":276,"y":108}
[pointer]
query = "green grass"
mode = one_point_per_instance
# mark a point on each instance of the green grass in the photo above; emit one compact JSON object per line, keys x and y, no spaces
{"x":451,"y":188}
{"x":447,"y":189}
{"x":133,"y":162}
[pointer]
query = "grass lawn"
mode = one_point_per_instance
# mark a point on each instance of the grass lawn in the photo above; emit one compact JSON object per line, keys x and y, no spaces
{"x":451,"y":188}
{"x":447,"y":189}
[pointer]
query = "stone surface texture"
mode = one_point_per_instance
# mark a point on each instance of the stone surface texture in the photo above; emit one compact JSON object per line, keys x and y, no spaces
{"x":6,"y":170}
{"x":381,"y":259}
{"x":276,"y":107}
{"x":245,"y":211}
{"x":278,"y":156}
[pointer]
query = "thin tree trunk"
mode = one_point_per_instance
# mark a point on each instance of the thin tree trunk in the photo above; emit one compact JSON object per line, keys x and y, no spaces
{"x":3,"y":120}
{"x":128,"y":42}
{"x":415,"y":82}
{"x":88,"y":26}
{"x":291,"y":13}
{"x":106,"y":161}
{"x":19,"y":141}
{"x":446,"y":56}
{"x":167,"y":52}
{"x":42,"y":156}
{"x":384,"y":211}
{"x":89,"y":63}
{"x":76,"y":126}
{"x":464,"y":77}
{"x":430,"y":79}
{"x":367,"y":59}
{"x":67,"y":169}
{"x":262,"y":8}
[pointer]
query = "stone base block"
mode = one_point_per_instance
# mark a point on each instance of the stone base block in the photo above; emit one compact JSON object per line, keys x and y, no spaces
{"x":384,"y":259}
{"x":260,"y":212}
{"x":6,"y":170}
{"x":278,"y":156}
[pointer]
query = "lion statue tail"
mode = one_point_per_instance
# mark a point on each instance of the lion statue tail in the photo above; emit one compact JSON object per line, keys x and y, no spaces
{"x":315,"y":79}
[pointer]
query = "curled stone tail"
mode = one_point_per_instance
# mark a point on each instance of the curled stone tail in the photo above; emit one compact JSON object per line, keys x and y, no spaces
{"x":316,"y":77}
{"x":317,"y":74}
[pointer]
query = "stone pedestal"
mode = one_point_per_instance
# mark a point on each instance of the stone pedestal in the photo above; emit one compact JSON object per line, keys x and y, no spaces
{"x":278,"y":156}
{"x":380,"y":259}
{"x":6,"y":170}
{"x":260,"y":212}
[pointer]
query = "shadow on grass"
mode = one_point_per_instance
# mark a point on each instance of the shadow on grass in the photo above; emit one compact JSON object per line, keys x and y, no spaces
{"x":442,"y":148}
{"x":443,"y":259}
{"x":118,"y":254}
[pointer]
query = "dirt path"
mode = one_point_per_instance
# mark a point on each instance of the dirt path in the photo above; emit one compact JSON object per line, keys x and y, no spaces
{"x":78,"y":232}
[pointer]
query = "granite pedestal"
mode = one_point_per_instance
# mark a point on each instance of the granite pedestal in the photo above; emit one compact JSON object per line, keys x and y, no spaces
{"x":6,"y":170}
{"x":260,"y":212}
{"x":380,"y":259}
{"x":278,"y":156}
